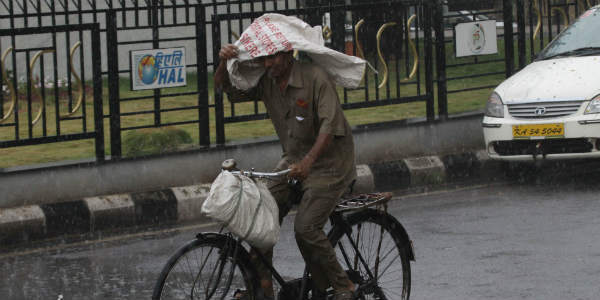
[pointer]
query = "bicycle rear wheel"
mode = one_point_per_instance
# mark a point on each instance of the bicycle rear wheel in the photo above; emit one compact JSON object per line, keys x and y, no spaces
{"x":205,"y":268}
{"x":376,"y":256}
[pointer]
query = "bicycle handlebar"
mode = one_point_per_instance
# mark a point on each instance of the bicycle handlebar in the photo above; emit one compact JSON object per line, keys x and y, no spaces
{"x":230,"y":165}
{"x":267,"y":175}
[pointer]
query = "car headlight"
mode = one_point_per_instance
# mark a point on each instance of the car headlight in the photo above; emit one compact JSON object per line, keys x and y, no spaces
{"x":594,"y":106}
{"x":494,"y":107}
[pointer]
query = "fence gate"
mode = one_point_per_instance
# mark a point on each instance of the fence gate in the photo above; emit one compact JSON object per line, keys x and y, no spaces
{"x":156,"y":26}
{"x":52,"y":86}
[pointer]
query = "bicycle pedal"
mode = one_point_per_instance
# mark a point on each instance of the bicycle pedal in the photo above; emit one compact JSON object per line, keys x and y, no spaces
{"x":240,"y":295}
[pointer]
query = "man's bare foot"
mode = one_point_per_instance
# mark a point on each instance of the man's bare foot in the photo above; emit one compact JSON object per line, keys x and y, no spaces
{"x":267,"y":287}
{"x":351,"y":286}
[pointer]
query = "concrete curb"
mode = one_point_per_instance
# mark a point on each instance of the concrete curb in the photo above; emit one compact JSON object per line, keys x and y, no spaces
{"x":182,"y":204}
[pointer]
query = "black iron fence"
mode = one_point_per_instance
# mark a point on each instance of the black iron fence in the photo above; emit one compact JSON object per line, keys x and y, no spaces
{"x":387,"y":82}
{"x":28,"y":119}
{"x":408,"y":43}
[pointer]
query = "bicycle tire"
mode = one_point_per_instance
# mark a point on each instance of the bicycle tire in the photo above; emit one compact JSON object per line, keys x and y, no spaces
{"x":187,"y":272}
{"x":376,"y":234}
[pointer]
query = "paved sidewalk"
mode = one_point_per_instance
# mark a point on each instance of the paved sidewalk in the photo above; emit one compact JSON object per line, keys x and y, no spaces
{"x":182,"y":204}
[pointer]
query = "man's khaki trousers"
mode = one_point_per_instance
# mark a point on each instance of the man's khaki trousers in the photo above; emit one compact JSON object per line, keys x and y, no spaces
{"x":313,"y":212}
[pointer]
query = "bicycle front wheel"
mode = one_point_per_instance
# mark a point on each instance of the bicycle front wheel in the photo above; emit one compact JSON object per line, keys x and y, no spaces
{"x":205,"y":268}
{"x":376,"y":255}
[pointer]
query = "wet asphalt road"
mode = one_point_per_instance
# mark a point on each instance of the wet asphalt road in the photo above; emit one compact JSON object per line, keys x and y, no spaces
{"x":519,"y":240}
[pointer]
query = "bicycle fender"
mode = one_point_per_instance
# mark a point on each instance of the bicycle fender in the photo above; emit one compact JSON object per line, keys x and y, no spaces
{"x":213,"y":235}
{"x":407,"y":241}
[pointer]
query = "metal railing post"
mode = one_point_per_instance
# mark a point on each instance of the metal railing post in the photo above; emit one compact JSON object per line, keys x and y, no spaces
{"x":509,"y":48}
{"x":428,"y":18}
{"x":202,"y":71}
{"x":521,"y":33}
{"x":155,"y":45}
{"x":97,"y":78}
{"x":440,"y":59}
{"x":219,"y":110}
{"x":113,"y":84}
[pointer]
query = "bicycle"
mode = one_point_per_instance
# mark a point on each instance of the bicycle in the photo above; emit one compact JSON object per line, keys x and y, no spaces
{"x":371,"y":245}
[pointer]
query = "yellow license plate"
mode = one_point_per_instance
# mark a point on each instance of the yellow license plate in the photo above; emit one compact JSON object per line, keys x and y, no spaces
{"x":538,"y":130}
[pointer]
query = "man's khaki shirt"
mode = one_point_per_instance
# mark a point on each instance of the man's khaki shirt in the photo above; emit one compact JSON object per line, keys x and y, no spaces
{"x":308,"y":107}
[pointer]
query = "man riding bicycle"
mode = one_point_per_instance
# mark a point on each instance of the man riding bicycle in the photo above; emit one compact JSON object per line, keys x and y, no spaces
{"x":317,"y":143}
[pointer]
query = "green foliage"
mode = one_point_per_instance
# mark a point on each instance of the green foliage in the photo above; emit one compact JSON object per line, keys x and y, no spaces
{"x":154,"y":141}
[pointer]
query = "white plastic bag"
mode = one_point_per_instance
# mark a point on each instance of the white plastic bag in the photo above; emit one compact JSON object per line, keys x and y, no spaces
{"x":245,"y":207}
{"x":272,"y":33}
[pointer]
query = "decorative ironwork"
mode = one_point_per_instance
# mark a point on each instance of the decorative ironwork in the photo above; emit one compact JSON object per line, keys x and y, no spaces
{"x":359,"y":49}
{"x":11,"y":88}
{"x":77,"y":80}
{"x":414,"y":51}
{"x":562,"y":12}
{"x":381,"y":59}
{"x":538,"y":25}
{"x":31,"y":81}
{"x":235,"y":35}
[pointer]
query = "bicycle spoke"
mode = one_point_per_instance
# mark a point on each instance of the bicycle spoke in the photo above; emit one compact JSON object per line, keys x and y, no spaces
{"x":388,"y":253}
{"x":219,"y":270}
{"x":361,"y":258}
{"x":379,"y":261}
{"x":357,"y":242}
{"x":190,"y":274}
{"x":345,"y":256}
{"x":390,"y":264}
{"x":389,"y":291}
{"x":231,"y":271}
{"x":203,"y":271}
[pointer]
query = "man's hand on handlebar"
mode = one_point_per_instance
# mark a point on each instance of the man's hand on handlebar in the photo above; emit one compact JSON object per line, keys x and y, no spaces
{"x":301,"y":169}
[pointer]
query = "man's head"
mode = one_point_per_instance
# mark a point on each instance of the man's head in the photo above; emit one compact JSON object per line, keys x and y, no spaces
{"x":278,"y":64}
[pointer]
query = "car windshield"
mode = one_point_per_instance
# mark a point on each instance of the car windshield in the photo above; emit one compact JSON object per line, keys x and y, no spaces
{"x":581,"y":38}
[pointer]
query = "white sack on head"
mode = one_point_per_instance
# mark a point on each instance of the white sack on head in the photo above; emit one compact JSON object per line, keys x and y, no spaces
{"x":272,"y":33}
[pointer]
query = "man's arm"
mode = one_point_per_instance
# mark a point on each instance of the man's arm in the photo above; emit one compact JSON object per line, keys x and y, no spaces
{"x":222,"y":81}
{"x":300,"y":170}
{"x":331,"y":120}
{"x":221,"y":76}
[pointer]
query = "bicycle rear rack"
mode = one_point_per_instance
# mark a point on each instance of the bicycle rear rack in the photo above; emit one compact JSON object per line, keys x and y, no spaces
{"x":363,"y":201}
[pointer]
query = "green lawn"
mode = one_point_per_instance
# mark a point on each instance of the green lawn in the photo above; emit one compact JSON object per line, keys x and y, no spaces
{"x":457,"y":102}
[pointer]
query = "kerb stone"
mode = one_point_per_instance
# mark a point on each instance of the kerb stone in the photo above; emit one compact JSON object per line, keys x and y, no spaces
{"x":189,"y":201}
{"x":21,"y":224}
{"x":427,"y":170}
{"x":110,"y":211}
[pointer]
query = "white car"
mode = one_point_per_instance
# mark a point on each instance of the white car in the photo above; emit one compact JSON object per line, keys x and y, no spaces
{"x":551,"y":108}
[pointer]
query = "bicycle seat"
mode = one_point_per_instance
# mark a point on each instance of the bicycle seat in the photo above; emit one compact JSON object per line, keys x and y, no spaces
{"x":362,"y":201}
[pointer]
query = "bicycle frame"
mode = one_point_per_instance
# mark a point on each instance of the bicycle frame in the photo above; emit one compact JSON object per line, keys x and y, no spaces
{"x":350,"y":211}
{"x":338,"y":223}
